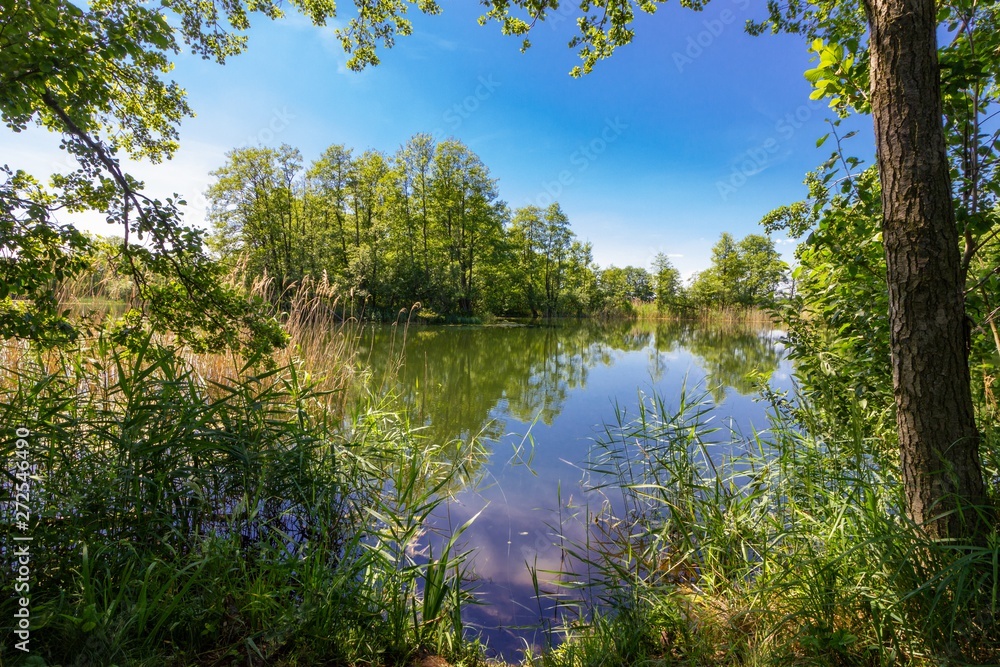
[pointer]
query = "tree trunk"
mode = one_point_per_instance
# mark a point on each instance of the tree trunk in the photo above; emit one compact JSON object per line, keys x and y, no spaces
{"x":938,"y":439}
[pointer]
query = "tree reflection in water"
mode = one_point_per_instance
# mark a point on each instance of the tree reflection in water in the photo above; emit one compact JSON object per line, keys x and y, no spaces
{"x":472,"y":385}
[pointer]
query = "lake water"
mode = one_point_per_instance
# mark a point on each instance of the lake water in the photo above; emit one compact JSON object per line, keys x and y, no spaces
{"x":560,"y":383}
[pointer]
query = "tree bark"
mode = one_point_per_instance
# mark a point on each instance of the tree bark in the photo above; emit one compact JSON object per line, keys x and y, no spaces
{"x":938,"y":439}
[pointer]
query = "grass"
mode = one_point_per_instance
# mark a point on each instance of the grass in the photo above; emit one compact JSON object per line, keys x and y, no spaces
{"x":202,"y":510}
{"x":648,"y":310}
{"x":205,"y":510}
{"x":792,"y":551}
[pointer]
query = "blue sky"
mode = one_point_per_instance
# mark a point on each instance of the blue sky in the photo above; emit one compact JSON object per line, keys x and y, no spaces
{"x":694,"y":129}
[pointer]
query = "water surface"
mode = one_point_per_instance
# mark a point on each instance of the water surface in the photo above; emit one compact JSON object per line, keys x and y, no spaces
{"x":537,"y":397}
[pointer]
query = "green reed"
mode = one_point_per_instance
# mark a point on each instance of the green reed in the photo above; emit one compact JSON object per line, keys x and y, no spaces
{"x":192,"y":511}
{"x":772,"y":548}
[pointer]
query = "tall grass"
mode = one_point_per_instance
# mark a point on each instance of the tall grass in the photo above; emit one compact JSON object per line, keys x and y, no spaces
{"x":201,"y":509}
{"x":648,"y":310}
{"x":790,"y":550}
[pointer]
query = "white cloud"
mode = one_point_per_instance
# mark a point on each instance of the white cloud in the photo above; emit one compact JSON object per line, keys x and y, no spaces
{"x":37,"y":152}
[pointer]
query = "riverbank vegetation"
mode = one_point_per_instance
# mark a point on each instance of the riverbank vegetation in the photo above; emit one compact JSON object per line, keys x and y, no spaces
{"x":427,"y":225}
{"x":189,"y":509}
{"x":790,"y":551}
{"x":199,"y":496}
{"x":745,"y":280}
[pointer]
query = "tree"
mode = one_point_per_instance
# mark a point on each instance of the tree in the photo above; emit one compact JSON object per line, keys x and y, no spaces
{"x":413,"y":164}
{"x":580,"y":280}
{"x":938,"y":437}
{"x":526,"y":233}
{"x":723,"y":278}
{"x":372,"y":196}
{"x":743,"y":274}
{"x":330,"y":179}
{"x":256,"y":216}
{"x":667,"y":281}
{"x":464,"y":200}
{"x":897,"y":77}
{"x":640,"y":284}
{"x":763,"y":271}
{"x":935,"y":419}
{"x":619,"y":288}
{"x":612,"y":285}
{"x":552,"y":271}
{"x":557,"y":240}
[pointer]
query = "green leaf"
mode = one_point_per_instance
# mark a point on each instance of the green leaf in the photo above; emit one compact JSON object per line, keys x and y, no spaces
{"x":814,"y":75}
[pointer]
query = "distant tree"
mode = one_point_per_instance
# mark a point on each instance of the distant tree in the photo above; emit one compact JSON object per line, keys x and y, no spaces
{"x":372,"y":199}
{"x":667,"y":281}
{"x":716,"y":286}
{"x":331,"y":179}
{"x":526,"y":235}
{"x":252,"y":206}
{"x":742,"y":274}
{"x":763,"y":271}
{"x":580,"y":280}
{"x":556,"y":244}
{"x":619,"y":288}
{"x":640,"y":284}
{"x":469,"y":215}
{"x":549,"y":263}
{"x":613,"y":290}
{"x":415,"y":278}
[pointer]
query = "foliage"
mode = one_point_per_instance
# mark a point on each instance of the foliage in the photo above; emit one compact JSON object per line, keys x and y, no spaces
{"x":745,"y":273}
{"x":424,"y":226}
{"x":614,"y":291}
{"x":550,"y":265}
{"x":35,"y":258}
{"x":419,"y":226}
{"x":774,"y":548}
{"x":95,"y":75}
{"x":667,"y":281}
{"x":199,"y":512}
{"x":837,"y":318}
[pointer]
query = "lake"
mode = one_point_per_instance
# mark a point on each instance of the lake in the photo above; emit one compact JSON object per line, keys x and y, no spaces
{"x":536,"y":399}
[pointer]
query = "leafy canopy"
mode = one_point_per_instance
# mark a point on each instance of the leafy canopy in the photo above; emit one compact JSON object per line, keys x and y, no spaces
{"x":97,"y":74}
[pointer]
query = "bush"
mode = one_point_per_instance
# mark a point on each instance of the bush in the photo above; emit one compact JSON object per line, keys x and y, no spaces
{"x":788,"y":549}
{"x":181,"y":517}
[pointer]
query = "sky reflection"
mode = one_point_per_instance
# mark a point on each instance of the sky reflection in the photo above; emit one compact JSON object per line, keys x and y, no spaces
{"x":539,"y":397}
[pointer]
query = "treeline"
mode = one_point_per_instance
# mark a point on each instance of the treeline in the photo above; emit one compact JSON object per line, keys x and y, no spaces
{"x":424,"y":225}
{"x":427,"y":225}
